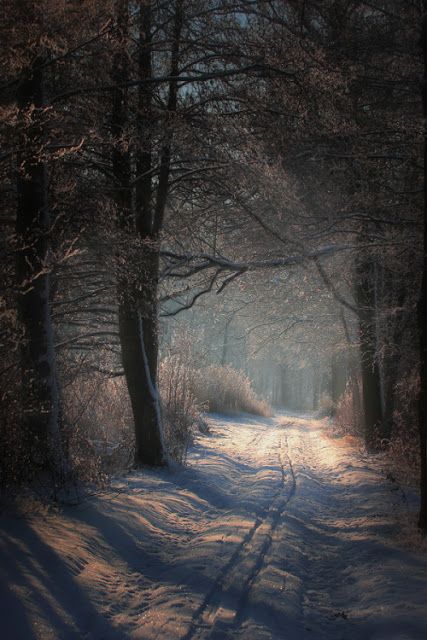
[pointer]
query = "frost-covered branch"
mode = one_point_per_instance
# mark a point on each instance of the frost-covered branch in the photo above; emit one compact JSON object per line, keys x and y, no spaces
{"x":187,"y":265}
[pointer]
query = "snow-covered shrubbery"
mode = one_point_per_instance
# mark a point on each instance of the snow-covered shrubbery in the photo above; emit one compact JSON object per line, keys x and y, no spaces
{"x":98,"y":425}
{"x":180,"y":410}
{"x":403,"y":452}
{"x":327,"y":407}
{"x":224,"y":389}
{"x":348,"y":416}
{"x":98,"y":417}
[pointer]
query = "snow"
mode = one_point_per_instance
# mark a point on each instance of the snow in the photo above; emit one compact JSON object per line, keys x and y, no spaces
{"x":273,"y":531}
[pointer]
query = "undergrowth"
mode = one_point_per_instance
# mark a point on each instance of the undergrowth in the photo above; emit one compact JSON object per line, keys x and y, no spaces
{"x":223,"y":389}
{"x":180,"y":409}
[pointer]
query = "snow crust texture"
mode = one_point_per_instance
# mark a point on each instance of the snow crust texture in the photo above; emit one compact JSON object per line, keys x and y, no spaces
{"x":273,"y":531}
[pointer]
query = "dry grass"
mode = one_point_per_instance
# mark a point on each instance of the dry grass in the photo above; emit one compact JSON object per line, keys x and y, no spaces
{"x":223,"y":389}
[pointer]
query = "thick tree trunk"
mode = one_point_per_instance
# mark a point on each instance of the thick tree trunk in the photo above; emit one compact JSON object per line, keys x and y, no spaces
{"x":138,"y":339}
{"x":390,"y":375}
{"x":139,"y":348}
{"x":138,"y":326}
{"x":393,"y":332}
{"x":338,"y":378}
{"x":41,"y":403}
{"x":149,"y":443}
{"x":422,"y":310}
{"x":138,"y":286}
{"x":149,"y":224}
{"x":371,"y":384}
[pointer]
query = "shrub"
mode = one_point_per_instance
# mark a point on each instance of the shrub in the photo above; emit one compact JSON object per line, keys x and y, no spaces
{"x":326,"y":406}
{"x":403,"y":457}
{"x":180,"y":410}
{"x":224,"y":389}
{"x":99,"y":422}
{"x":99,"y":425}
{"x":348,"y":419}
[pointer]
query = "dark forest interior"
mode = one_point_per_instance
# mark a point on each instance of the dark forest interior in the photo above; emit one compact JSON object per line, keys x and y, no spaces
{"x":209,"y":207}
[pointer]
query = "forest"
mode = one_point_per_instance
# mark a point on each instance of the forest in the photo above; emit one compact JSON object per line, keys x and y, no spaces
{"x":211,"y":208}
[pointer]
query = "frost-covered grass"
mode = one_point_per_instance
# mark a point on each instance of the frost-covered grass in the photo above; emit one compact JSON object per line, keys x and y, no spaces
{"x":223,"y":389}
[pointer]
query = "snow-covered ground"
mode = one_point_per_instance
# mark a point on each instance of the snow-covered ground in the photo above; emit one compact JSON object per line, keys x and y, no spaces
{"x":272,"y":531}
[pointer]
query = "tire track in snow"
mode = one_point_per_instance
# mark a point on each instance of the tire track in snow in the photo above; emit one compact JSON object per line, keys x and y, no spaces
{"x":276,"y":517}
{"x":222,"y":607}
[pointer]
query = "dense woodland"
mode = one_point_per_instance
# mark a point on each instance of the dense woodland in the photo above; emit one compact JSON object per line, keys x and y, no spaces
{"x":199,"y":193}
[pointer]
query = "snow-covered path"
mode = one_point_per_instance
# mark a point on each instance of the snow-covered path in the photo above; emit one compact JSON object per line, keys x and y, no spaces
{"x":273,"y":531}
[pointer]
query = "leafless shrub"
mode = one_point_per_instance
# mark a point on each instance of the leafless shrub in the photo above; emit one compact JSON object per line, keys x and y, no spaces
{"x":181,"y":412}
{"x":224,"y":389}
{"x":403,"y":458}
{"x":403,"y":451}
{"x":327,"y":407}
{"x":348,"y":419}
{"x":99,"y":430}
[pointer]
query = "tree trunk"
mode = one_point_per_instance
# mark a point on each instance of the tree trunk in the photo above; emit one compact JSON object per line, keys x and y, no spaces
{"x":371,"y":385}
{"x":390,"y":375}
{"x":138,"y":285}
{"x":315,"y":394}
{"x":149,"y":224}
{"x":41,"y":403}
{"x":138,"y":339}
{"x":338,"y":378}
{"x":422,"y":310}
{"x":224,"y":353}
{"x":138,"y":323}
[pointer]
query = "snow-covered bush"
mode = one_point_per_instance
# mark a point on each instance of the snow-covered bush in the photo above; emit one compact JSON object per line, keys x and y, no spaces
{"x":98,"y":425}
{"x":180,"y":410}
{"x":326,"y":406}
{"x":224,"y":389}
{"x":403,"y":452}
{"x":348,"y":418}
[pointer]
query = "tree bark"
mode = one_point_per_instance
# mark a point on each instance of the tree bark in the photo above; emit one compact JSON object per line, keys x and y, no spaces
{"x":137,"y":289}
{"x":139,"y":357}
{"x":371,"y":385}
{"x":41,"y":400}
{"x":149,"y":223}
{"x":138,"y":317}
{"x":338,"y":378}
{"x":422,"y":308}
{"x":224,"y":352}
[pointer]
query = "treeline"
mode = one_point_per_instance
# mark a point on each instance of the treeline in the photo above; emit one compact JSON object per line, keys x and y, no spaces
{"x":154,"y":153}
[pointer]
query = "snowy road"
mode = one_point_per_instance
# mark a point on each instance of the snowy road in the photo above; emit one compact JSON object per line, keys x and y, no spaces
{"x":272,"y":532}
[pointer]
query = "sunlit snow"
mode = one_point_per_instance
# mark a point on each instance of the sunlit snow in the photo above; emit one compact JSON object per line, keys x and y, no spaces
{"x":272,"y":531}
